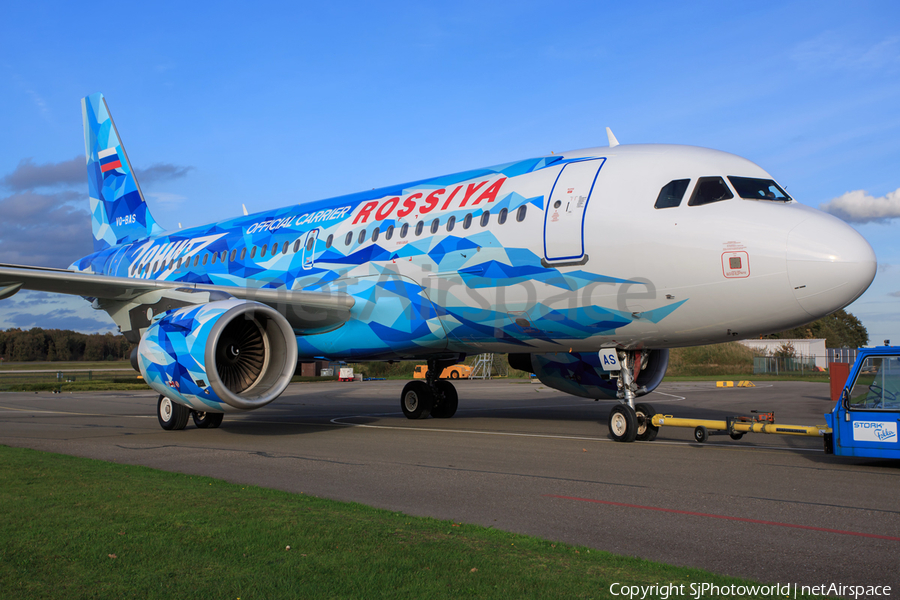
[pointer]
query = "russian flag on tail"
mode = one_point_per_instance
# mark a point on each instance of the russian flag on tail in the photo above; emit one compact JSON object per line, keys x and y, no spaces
{"x":109,"y":160}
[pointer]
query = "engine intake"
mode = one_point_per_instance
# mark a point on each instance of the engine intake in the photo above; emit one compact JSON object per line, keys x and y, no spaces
{"x":231,"y":353}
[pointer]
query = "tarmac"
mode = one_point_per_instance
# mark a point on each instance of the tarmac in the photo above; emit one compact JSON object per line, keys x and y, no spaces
{"x":525,"y":458}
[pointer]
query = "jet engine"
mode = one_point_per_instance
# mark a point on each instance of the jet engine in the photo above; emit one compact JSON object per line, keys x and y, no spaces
{"x":219,"y":357}
{"x":581,"y":373}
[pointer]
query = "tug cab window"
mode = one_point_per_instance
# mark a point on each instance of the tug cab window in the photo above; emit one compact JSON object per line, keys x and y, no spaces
{"x":750,"y":188}
{"x":877,"y":386}
{"x":671,"y":194}
{"x":709,"y":190}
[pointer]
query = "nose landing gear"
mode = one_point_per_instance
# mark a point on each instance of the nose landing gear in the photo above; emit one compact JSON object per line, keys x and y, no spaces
{"x":629,"y":421}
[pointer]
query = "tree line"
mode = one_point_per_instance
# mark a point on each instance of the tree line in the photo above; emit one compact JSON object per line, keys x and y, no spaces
{"x":24,"y":345}
{"x":840,"y":329}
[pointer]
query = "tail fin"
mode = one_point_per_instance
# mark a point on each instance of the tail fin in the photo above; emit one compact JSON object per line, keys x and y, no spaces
{"x":118,"y":211}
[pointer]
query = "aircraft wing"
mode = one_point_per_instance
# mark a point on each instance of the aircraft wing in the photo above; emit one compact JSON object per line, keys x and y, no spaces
{"x":304,"y":310}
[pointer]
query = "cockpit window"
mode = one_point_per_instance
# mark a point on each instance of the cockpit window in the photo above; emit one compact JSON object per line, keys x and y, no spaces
{"x":758,"y":189}
{"x":671,"y":194}
{"x":709,"y":190}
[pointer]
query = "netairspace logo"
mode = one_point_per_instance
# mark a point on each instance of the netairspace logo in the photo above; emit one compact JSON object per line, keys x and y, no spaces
{"x":696,"y":591}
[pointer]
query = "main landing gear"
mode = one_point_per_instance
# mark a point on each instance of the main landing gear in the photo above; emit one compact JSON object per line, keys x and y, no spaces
{"x":173,"y":416}
{"x":629,"y":421}
{"x":435,"y":397}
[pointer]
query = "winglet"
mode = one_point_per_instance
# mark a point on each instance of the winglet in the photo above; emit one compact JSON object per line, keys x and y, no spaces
{"x":613,"y":142}
{"x":118,"y":211}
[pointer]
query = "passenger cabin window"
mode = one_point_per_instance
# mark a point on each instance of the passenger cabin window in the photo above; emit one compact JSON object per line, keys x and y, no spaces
{"x":750,"y":188}
{"x":375,"y":233}
{"x":485,"y":218}
{"x":404,"y":230}
{"x":297,"y":246}
{"x":520,"y":214}
{"x":253,"y":252}
{"x":389,"y":233}
{"x":671,"y":194}
{"x":501,"y":216}
{"x":233,"y":254}
{"x":419,"y":227}
{"x":709,"y":190}
{"x":329,"y":240}
{"x":362,"y":236}
{"x":467,"y":222}
{"x":434,"y":225}
{"x":310,"y":243}
{"x":243,"y":253}
{"x":349,"y":239}
{"x":284,"y":248}
{"x":450,"y":223}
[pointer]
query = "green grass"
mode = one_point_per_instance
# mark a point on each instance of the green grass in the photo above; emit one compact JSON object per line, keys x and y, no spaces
{"x":64,"y":365}
{"x":79,"y":528}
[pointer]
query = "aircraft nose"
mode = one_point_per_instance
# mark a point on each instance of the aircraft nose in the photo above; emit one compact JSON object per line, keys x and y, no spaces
{"x":829,"y":264}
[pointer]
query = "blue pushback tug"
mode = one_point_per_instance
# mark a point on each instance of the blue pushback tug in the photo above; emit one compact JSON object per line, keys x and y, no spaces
{"x":866,"y":419}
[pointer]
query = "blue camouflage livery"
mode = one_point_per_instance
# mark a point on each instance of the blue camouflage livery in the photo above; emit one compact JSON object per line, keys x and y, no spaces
{"x":119,"y":213}
{"x":435,"y":287}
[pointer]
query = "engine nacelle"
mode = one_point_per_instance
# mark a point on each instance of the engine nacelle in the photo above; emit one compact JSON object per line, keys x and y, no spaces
{"x":581,"y":374}
{"x":219,"y":357}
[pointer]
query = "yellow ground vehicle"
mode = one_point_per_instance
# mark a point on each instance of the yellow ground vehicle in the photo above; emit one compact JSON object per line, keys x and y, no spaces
{"x":454,"y":372}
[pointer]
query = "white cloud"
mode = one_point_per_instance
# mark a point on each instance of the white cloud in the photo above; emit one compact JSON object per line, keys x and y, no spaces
{"x":859,"y":207}
{"x":831,"y":51}
{"x":166,"y":198}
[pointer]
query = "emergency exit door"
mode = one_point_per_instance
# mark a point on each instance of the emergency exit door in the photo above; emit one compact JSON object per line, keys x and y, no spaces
{"x":564,"y":212}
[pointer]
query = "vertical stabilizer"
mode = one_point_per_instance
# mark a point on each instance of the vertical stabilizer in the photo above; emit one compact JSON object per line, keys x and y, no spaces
{"x":118,"y":211}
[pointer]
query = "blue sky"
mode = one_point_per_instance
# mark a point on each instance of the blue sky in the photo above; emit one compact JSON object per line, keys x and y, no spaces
{"x":220,"y":104}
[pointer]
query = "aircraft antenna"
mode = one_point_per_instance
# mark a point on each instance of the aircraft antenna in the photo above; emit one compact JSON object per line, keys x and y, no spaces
{"x":613,"y":142}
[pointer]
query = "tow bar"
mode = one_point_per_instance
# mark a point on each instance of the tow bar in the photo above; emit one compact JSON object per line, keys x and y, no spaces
{"x":736,"y":426}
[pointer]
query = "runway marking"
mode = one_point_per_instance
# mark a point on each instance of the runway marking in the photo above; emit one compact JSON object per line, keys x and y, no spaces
{"x":728,"y":518}
{"x":558,"y":437}
{"x":60,"y":412}
{"x":472,"y":431}
{"x":676,"y":398}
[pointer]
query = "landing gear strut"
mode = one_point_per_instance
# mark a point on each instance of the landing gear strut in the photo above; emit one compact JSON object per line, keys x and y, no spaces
{"x":434,"y":396}
{"x":630,"y":421}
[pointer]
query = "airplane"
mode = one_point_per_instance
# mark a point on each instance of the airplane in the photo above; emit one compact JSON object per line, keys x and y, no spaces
{"x":585,"y":267}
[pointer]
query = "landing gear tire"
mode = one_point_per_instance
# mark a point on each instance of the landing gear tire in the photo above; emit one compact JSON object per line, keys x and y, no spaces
{"x":172,"y":416}
{"x":701,"y":434}
{"x":446,"y":404}
{"x":646,"y":430}
{"x":623,"y":423}
{"x":416,"y":400}
{"x":207,"y":420}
